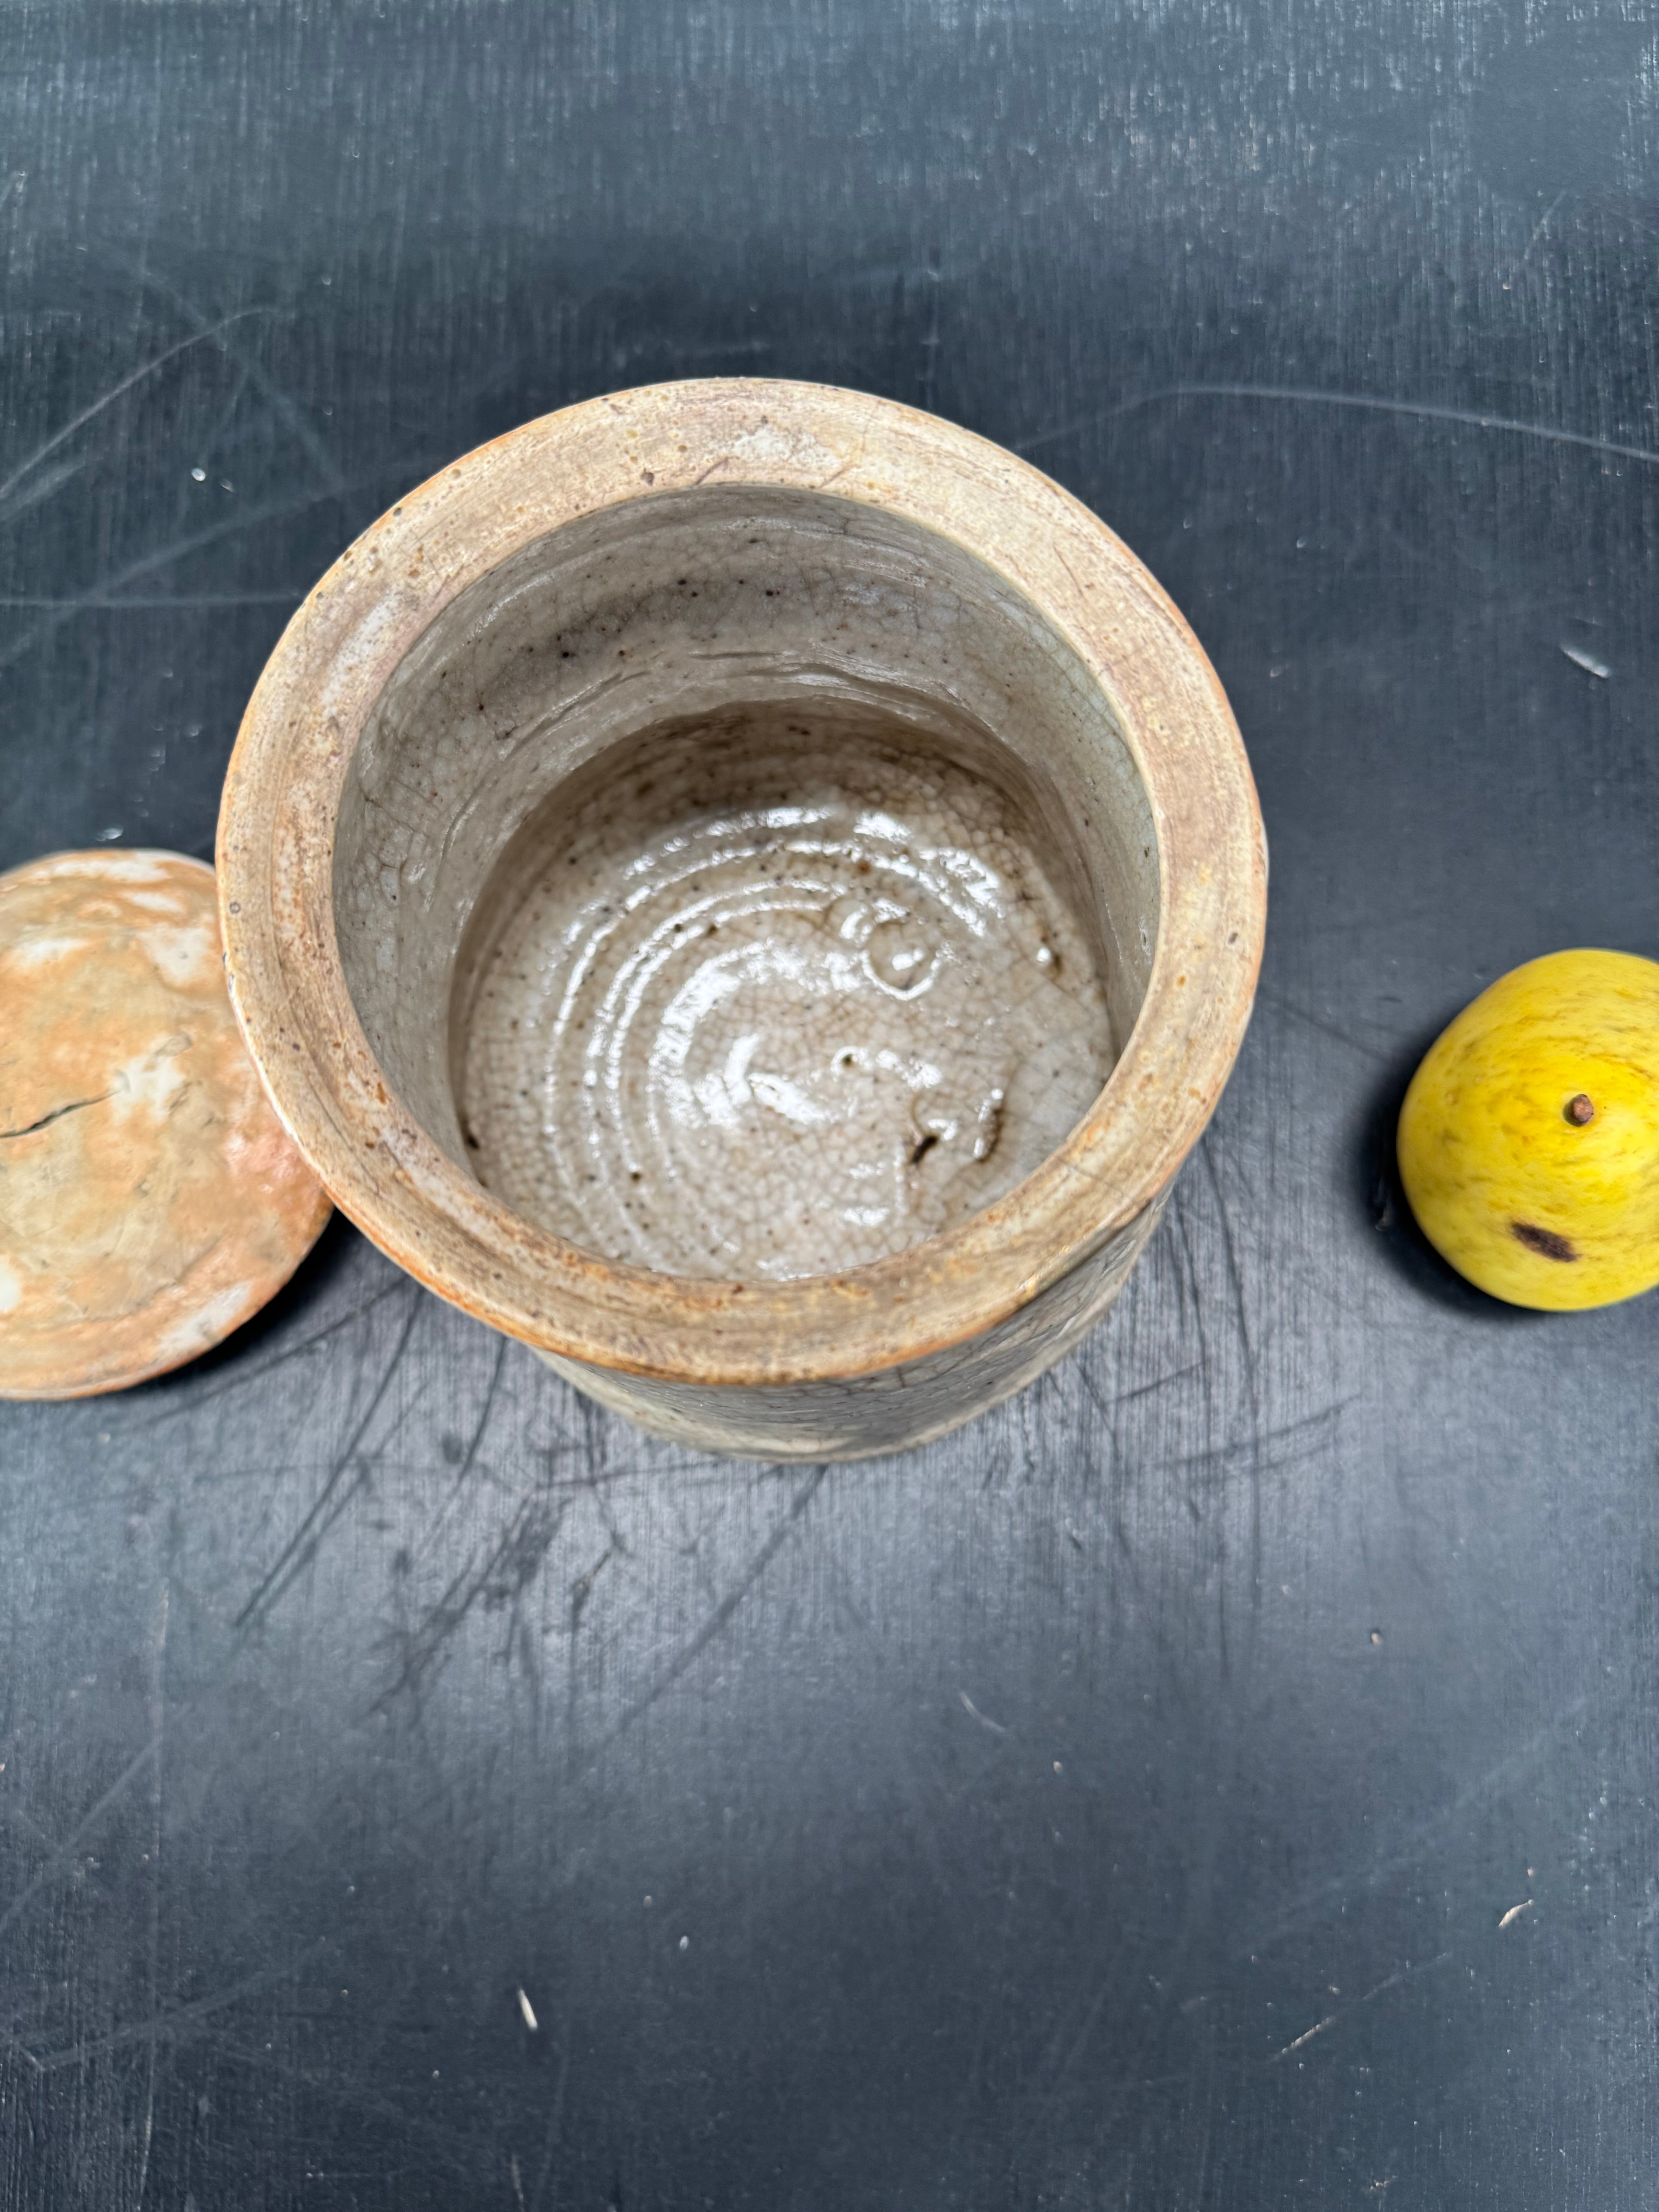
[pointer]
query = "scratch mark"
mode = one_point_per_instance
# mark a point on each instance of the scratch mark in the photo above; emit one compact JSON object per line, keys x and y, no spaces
{"x":295,"y":1351}
{"x":157,"y":1724}
{"x":163,"y":2027}
{"x":1060,"y":2063}
{"x":383,"y":1449}
{"x":1300,"y":395}
{"x":122,"y":1781}
{"x":931,"y":343}
{"x":301,"y":1546}
{"x":473,"y":1441}
{"x":1252,"y":1371}
{"x":554,"y":2121}
{"x":325,"y":2083}
{"x":1192,"y":1291}
{"x":1158,"y":1382}
{"x":49,"y":481}
{"x":1514,"y":1913}
{"x":210,"y":443}
{"x":997,"y":1728}
{"x":97,"y":594}
{"x":1208,"y":2142}
{"x":1544,"y":222}
{"x":84,"y":602}
{"x":1405,"y":1973}
{"x":1336,"y":1887}
{"x":528,"y":2011}
{"x":845,"y":1598}
{"x":582,"y":1589}
{"x":108,"y":399}
{"x":505,"y":1574}
{"x":1308,"y":2035}
{"x":1108,"y":1408}
{"x":1325,"y":1029}
{"x":282,"y":402}
{"x":1588,"y":662}
{"x":989,"y":2023}
{"x":1086,"y":1383}
{"x":1298,"y":1435}
{"x":720,"y":1618}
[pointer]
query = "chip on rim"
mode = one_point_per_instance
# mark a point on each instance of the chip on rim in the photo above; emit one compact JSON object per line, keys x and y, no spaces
{"x":150,"y":1201}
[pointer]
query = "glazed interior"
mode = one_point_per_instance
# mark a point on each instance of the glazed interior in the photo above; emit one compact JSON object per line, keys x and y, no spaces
{"x":744,"y":883}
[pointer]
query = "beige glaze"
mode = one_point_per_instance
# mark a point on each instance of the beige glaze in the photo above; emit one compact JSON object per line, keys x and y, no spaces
{"x":780,"y":996}
{"x":667,"y":559}
{"x":149,"y":1201}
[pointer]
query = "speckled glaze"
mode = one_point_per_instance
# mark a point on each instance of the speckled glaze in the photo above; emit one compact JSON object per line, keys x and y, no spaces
{"x":662,"y":564}
{"x":149,"y":1201}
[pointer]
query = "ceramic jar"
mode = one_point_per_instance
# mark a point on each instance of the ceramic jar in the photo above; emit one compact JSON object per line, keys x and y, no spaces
{"x":679,"y":552}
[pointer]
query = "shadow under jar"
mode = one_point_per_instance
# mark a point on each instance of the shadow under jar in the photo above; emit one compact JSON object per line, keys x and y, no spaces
{"x":753,"y":891}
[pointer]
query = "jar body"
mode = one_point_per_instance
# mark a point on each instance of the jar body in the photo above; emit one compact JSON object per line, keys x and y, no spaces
{"x":891,"y":1408}
{"x":542,"y":609}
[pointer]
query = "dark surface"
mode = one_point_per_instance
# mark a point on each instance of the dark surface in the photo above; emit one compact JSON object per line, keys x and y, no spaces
{"x":1116,"y":1804}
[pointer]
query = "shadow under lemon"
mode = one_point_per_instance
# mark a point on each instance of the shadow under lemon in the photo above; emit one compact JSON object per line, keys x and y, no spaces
{"x":1383,"y":1195}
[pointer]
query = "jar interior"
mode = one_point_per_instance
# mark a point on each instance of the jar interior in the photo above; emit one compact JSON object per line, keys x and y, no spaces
{"x":744,"y":883}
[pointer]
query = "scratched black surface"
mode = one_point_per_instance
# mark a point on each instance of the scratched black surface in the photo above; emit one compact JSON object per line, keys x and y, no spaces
{"x":1122,"y":1802}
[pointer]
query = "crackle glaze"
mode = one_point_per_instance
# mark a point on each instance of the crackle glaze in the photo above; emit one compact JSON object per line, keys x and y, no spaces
{"x":779,"y":997}
{"x":860,"y":655}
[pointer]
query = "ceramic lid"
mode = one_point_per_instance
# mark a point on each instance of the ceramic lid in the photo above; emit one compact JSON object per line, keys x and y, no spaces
{"x":150,"y":1202}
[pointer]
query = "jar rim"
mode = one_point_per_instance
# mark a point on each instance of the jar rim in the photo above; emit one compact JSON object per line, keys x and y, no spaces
{"x":288,"y":773}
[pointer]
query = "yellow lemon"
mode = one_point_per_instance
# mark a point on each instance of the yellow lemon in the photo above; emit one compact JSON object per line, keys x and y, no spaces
{"x":1529,"y":1139}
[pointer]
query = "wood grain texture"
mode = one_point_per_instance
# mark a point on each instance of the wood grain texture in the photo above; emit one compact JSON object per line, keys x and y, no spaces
{"x":1119,"y":1803}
